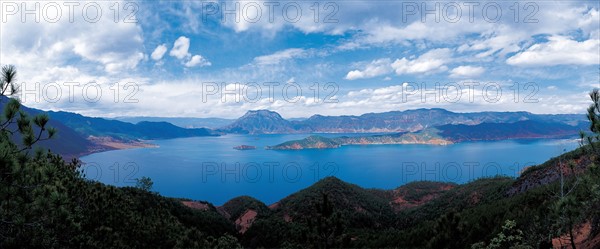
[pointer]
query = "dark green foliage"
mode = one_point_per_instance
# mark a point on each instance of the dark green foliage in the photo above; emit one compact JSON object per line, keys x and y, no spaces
{"x":236,"y":207}
{"x":358,"y":206}
{"x":325,"y":227}
{"x":66,"y":142}
{"x":448,"y":231}
{"x":47,"y":203}
{"x":144,"y":183}
{"x":510,"y":237}
{"x":274,"y":232}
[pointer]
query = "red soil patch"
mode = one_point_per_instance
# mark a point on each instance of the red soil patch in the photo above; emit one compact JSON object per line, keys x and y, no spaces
{"x":274,"y":206}
{"x":244,"y":222}
{"x":195,"y":205}
{"x":582,"y":238}
{"x":400,"y":202}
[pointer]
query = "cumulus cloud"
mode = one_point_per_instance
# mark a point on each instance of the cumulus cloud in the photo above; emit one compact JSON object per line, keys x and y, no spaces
{"x":373,"y":69}
{"x":559,"y":50}
{"x":180,"y":48}
{"x":466,"y":71}
{"x":430,"y":62}
{"x":281,"y":56}
{"x":159,"y":52}
{"x":89,"y":46}
{"x":197,"y":60}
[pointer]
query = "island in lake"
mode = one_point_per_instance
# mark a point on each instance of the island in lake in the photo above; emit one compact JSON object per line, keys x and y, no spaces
{"x":319,"y":142}
{"x":441,"y":135}
{"x":245,"y":147}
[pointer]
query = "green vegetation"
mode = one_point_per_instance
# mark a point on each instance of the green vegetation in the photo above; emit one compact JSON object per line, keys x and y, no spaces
{"x":47,"y":203}
{"x":427,"y":136}
{"x":144,"y":183}
{"x":311,"y":142}
{"x":237,"y":206}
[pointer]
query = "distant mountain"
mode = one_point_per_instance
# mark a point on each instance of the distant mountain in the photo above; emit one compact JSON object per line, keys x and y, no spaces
{"x":502,"y":131}
{"x":90,"y":126}
{"x":66,"y":142}
{"x":267,"y":122}
{"x":260,"y":122}
{"x":211,"y":123}
{"x":443,"y":135}
{"x":79,"y":135}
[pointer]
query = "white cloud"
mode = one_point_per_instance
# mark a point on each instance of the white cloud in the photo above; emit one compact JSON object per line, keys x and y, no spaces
{"x":89,"y":46}
{"x":466,"y":71}
{"x":373,"y":69}
{"x":559,"y":50}
{"x":197,"y":60}
{"x":430,"y":62}
{"x":257,"y":16}
{"x":180,"y":48}
{"x":159,"y":52}
{"x":501,"y":42}
{"x":85,"y":52}
{"x":281,"y":56}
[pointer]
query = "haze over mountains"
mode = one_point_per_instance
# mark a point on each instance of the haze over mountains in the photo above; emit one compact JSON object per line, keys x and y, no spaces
{"x":443,"y":135}
{"x":211,"y":123}
{"x":79,"y":135}
{"x":269,"y":122}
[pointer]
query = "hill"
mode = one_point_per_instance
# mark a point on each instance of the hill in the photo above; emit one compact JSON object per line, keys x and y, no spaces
{"x":67,"y":142}
{"x":269,"y":122}
{"x":210,"y":123}
{"x":79,"y":135}
{"x":260,"y":122}
{"x":90,"y":126}
{"x":311,"y":142}
{"x":443,"y":135}
{"x":416,"y":215}
{"x":437,"y":214}
{"x":518,"y":130}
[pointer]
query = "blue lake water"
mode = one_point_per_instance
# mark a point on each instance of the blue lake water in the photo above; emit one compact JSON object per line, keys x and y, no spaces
{"x":208,"y":168}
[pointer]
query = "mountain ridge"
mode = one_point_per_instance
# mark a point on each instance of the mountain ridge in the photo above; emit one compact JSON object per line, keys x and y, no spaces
{"x":442,"y":135}
{"x":80,"y":135}
{"x":270,"y":122}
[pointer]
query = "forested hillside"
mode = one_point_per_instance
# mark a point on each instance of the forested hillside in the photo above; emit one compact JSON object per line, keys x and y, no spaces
{"x":47,"y":203}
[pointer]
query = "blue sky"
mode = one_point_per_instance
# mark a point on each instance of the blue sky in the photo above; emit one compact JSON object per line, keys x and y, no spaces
{"x":366,"y":56}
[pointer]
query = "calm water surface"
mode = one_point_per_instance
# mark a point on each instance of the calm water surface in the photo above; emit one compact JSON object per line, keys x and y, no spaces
{"x":208,"y":168}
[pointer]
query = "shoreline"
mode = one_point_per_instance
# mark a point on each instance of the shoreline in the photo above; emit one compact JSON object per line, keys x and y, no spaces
{"x":103,"y":144}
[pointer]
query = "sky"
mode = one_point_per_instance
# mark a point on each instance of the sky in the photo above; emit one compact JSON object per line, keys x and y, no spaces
{"x":300,"y":58}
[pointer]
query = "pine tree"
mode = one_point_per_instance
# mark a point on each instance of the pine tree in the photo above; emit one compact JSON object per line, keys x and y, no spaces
{"x":325,"y":227}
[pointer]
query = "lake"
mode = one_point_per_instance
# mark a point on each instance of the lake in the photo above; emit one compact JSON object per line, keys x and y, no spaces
{"x":208,"y":168}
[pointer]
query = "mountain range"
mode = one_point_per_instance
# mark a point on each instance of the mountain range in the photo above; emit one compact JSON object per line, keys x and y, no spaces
{"x":210,"y":123}
{"x":443,"y":135}
{"x":79,"y":135}
{"x":269,"y":122}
